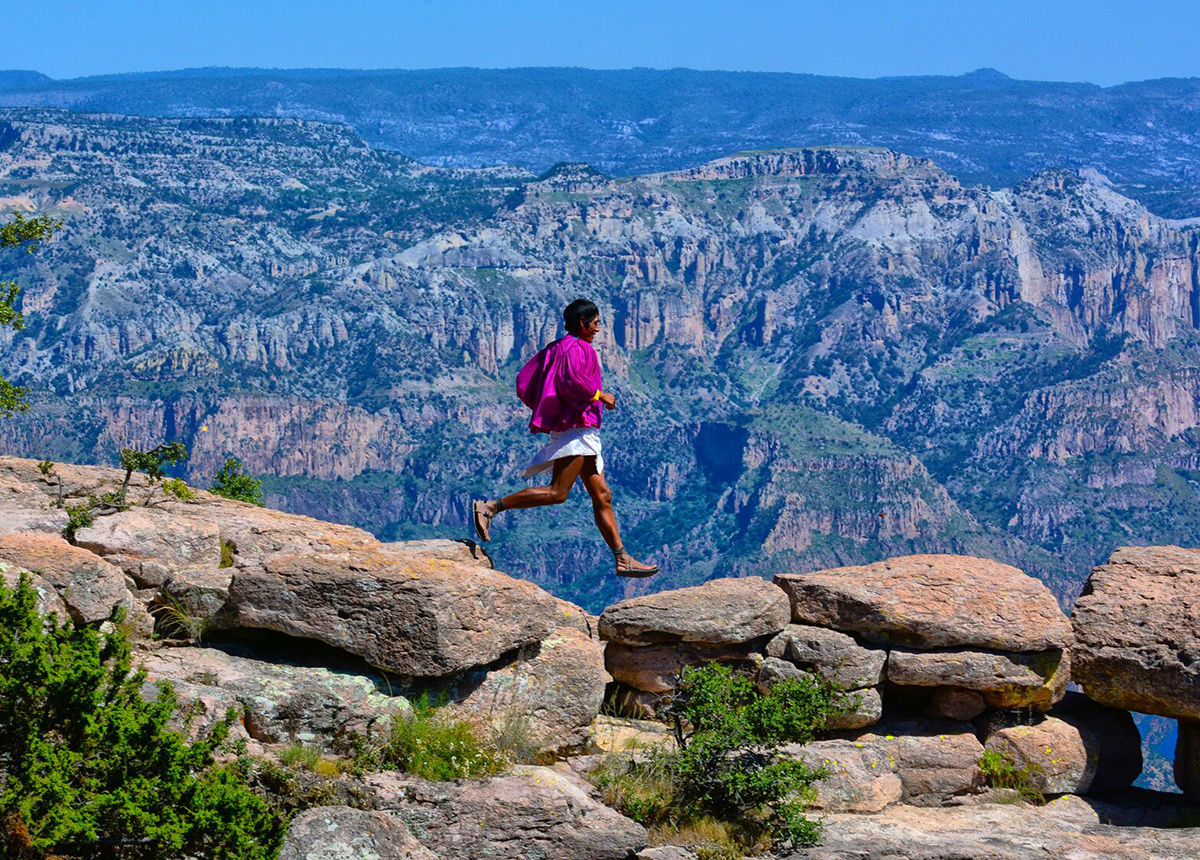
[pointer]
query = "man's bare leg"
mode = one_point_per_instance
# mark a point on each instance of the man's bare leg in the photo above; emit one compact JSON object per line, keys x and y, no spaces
{"x":606,"y":522}
{"x":566,"y":470}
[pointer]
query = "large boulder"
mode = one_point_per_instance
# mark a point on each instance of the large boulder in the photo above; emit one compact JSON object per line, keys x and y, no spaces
{"x":89,"y":586}
{"x":282,"y":701}
{"x":1138,"y":640}
{"x":344,"y":833}
{"x":720,"y":612}
{"x":151,"y":543}
{"x":534,"y":813}
{"x":406,"y":613}
{"x":553,"y":694}
{"x":861,"y":777}
{"x":931,"y":601}
{"x":936,"y":760}
{"x":1035,"y":680}
{"x":836,"y":657}
{"x":1079,"y":749}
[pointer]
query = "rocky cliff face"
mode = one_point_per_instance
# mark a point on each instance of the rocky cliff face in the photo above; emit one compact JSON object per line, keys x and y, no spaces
{"x":823,"y":356}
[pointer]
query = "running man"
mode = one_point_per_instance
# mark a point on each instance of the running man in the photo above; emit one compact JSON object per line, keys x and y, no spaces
{"x":562,"y":385}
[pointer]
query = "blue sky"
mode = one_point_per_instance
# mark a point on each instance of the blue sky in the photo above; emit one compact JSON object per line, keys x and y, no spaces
{"x":1101,"y":41}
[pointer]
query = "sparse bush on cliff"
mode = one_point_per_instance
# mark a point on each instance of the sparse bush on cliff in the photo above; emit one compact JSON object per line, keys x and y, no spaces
{"x":727,"y":767}
{"x":431,"y":744}
{"x":232,"y":482}
{"x":87,"y":764}
{"x":27,"y":233}
{"x":1001,"y":771}
{"x":151,"y":463}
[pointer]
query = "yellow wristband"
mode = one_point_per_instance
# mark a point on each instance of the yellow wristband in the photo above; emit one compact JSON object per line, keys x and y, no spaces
{"x":596,"y":396}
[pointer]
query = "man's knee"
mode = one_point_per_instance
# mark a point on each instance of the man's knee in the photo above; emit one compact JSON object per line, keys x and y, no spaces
{"x":603,"y":498}
{"x":558,"y":495}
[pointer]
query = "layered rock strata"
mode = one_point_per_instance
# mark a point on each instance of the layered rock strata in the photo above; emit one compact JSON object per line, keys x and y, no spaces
{"x":970,"y":632}
{"x":649,"y":640}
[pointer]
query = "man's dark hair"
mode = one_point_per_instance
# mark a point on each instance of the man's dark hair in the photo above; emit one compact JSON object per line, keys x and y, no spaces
{"x":577,"y":313}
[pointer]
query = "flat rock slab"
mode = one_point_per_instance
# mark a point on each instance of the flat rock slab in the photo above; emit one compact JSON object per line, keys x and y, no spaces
{"x":618,"y":734}
{"x":836,"y":657}
{"x":555,"y":691}
{"x":931,"y":601}
{"x":1082,"y":749}
{"x":721,"y":612}
{"x":151,"y":543}
{"x":89,"y":586}
{"x":1138,"y":638}
{"x":344,"y":833}
{"x":1005,"y":680}
{"x":409,"y":614}
{"x":1066,"y":828}
{"x":534,"y":813}
{"x":26,"y":500}
{"x":282,"y":702}
{"x":935,"y":759}
{"x":862,"y":776}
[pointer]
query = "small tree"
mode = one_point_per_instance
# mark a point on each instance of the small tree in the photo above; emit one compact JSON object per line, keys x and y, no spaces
{"x":87,"y":764}
{"x":729,"y":736}
{"x":27,"y":233}
{"x":728,"y":772}
{"x":151,"y":462}
{"x":232,"y":482}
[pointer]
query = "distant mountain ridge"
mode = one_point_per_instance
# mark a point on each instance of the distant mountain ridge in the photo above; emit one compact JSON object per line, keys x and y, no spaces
{"x":983,"y":127}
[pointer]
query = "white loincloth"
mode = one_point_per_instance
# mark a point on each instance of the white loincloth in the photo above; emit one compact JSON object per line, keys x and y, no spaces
{"x":578,"y":442}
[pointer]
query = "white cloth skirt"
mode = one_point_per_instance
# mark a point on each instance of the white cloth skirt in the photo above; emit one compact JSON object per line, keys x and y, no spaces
{"x":578,"y":442}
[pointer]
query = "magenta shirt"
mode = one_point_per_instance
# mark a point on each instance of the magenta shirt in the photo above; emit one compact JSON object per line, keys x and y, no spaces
{"x":559,"y":384}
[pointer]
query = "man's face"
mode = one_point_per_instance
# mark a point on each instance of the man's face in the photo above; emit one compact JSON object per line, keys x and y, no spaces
{"x":589,"y":329}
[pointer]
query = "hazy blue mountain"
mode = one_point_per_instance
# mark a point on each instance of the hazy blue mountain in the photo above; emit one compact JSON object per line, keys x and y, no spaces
{"x":982,"y":127}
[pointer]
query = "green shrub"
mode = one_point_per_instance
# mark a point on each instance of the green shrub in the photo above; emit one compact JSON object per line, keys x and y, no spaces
{"x":727,"y":767}
{"x":177,"y":488}
{"x":1001,"y":771}
{"x":232,"y":482}
{"x":87,"y":761}
{"x":431,"y":744}
{"x":300,"y":755}
{"x":309,"y":757}
{"x":226,"y":554}
{"x":78,"y":517}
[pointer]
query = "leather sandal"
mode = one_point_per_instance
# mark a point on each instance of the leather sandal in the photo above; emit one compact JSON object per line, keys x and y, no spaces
{"x":632,"y":567}
{"x":482,"y":520}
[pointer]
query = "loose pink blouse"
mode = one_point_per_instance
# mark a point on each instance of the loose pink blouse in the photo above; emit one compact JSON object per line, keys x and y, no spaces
{"x":559,"y":384}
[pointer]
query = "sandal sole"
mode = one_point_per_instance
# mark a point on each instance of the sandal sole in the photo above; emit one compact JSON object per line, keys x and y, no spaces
{"x":480,"y":529}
